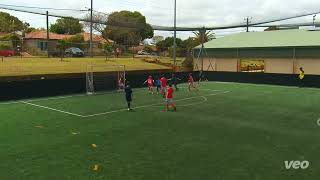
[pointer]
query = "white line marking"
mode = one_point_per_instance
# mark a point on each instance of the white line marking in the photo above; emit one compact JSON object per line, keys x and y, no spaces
{"x":151,"y":105}
{"x":53,"y":109}
{"x":84,"y":95}
{"x":10,"y":102}
{"x":54,"y":98}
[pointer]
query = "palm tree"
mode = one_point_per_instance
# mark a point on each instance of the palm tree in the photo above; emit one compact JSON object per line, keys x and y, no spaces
{"x":207,"y":36}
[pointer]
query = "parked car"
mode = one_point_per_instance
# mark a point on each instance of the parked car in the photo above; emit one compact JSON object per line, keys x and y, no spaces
{"x":74,"y":52}
{"x":154,"y":54}
{"x":6,"y":53}
{"x":143,"y":53}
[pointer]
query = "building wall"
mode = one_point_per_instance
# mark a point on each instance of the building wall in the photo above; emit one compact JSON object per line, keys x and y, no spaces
{"x":277,"y":60}
{"x":227,"y":64}
{"x":217,"y":64}
{"x":208,"y":64}
{"x":310,"y":66}
{"x":31,"y":46}
{"x":272,"y":65}
{"x":278,"y":65}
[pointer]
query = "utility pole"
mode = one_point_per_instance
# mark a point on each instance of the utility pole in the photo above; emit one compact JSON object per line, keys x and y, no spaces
{"x":91,"y":29}
{"x":175,"y":35}
{"x":247,"y":22}
{"x":202,"y":34}
{"x":48,"y":38}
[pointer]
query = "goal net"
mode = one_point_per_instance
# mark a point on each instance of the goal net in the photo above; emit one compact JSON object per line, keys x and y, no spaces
{"x":101,"y":78}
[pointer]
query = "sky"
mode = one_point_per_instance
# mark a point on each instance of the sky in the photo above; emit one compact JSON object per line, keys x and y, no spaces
{"x":190,"y":13}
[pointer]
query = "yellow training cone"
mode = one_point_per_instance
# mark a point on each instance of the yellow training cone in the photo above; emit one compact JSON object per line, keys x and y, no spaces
{"x":96,"y":167}
{"x":94,"y":145}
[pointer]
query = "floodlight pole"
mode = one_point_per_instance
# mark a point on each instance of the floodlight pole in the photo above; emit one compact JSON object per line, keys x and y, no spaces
{"x":175,"y":34}
{"x":91,"y":28}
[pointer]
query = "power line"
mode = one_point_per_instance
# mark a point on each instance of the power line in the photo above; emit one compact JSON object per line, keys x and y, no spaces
{"x":167,"y":28}
{"x":119,"y":23}
{"x":44,"y":8}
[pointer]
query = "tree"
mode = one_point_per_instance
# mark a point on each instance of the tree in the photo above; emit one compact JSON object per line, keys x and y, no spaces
{"x":61,"y":46}
{"x":10,"y":23}
{"x":67,"y":26}
{"x":272,"y":28}
{"x":157,"y":39}
{"x":107,"y":50}
{"x":167,"y":43}
{"x":128,"y":28}
{"x":97,"y":17}
{"x":148,"y":49}
{"x":14,"y":39}
{"x":76,"y":41}
{"x":190,"y":43}
{"x":208,"y":36}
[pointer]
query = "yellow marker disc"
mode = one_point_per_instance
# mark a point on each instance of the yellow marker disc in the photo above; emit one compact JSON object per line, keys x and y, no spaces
{"x":96,"y":167}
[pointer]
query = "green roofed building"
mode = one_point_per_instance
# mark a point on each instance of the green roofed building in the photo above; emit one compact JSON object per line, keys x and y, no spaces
{"x":283,"y":51}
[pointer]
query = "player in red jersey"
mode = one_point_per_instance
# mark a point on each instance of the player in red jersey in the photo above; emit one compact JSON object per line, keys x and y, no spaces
{"x":191,"y":82}
{"x":169,"y":98}
{"x":163,"y":81}
{"x":121,"y":84}
{"x":150,"y":83}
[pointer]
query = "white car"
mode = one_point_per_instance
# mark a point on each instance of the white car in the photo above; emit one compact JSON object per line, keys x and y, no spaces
{"x":143,"y":53}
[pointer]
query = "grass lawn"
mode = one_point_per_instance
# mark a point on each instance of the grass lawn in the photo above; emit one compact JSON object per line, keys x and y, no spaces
{"x":34,"y":66}
{"x":226,"y":131}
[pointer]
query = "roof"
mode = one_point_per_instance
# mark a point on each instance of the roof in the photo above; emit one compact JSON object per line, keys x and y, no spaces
{"x":54,"y":36}
{"x":43,"y":35}
{"x":266,"y":39}
{"x":96,"y":38}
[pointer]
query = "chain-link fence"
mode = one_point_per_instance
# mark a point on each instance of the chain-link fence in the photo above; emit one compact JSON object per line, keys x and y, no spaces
{"x":60,"y":49}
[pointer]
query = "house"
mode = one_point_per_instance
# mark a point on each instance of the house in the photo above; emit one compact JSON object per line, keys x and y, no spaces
{"x":98,"y":41}
{"x":9,"y":40}
{"x":36,"y":42}
{"x":283,"y":52}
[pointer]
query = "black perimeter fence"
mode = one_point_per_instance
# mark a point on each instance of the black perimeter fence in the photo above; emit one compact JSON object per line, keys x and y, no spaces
{"x":46,"y":86}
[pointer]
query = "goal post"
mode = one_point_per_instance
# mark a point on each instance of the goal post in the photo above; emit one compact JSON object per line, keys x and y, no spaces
{"x":101,"y":78}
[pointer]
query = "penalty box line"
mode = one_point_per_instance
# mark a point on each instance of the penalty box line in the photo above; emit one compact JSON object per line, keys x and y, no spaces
{"x":151,"y":105}
{"x":115,"y":111}
{"x":52,"y":109}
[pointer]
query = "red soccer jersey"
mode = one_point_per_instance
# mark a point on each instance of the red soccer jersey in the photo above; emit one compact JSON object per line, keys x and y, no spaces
{"x":190,"y":79}
{"x":163,"y":82}
{"x":150,"y":81}
{"x":170,"y":93}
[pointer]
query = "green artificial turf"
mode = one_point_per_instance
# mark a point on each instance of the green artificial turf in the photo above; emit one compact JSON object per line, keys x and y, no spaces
{"x":226,"y":131}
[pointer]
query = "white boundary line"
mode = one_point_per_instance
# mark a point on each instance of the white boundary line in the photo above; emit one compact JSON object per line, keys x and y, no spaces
{"x":151,"y":105}
{"x":10,"y":102}
{"x":183,"y":87}
{"x":115,"y":111}
{"x":52,"y":109}
{"x":83,"y":95}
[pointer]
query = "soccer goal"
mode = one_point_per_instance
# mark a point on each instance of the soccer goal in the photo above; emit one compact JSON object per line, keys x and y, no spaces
{"x":100,"y":78}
